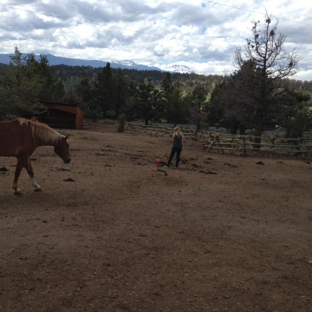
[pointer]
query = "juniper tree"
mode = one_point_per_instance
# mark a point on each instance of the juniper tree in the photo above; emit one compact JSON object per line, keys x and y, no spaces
{"x":272,"y":63}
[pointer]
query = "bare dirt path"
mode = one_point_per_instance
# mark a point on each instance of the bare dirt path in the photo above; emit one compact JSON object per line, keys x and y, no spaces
{"x":110,"y":232}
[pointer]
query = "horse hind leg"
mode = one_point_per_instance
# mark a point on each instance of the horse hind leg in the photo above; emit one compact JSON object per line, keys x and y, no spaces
{"x":31,"y":175}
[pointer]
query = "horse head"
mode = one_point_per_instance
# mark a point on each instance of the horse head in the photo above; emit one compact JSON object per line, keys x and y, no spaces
{"x":62,"y":149}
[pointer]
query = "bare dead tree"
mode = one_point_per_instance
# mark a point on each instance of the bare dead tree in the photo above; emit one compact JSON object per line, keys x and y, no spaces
{"x":266,"y":49}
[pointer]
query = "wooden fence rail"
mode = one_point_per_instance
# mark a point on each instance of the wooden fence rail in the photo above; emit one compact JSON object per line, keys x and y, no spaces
{"x":165,"y":131}
{"x":231,"y":143}
{"x":246,"y":143}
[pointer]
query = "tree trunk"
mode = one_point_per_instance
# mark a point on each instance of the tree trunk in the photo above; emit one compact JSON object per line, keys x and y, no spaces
{"x":242,"y":130}
{"x":234,"y":129}
{"x":257,"y":141}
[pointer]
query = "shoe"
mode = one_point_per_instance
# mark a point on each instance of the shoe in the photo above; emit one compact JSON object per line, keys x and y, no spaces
{"x":175,"y":167}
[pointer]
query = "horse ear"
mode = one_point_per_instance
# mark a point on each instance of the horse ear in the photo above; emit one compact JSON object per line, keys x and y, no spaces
{"x":66,"y":136}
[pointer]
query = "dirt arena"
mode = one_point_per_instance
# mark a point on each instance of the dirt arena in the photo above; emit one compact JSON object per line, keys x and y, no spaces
{"x":110,"y":232}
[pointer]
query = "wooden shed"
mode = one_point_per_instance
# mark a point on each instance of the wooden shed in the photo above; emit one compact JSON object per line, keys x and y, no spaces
{"x":63,"y":115}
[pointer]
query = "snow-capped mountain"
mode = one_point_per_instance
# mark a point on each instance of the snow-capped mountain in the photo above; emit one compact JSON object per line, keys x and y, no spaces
{"x":129,"y":64}
{"x":57,"y":60}
{"x":124,"y":64}
{"x":182,"y":69}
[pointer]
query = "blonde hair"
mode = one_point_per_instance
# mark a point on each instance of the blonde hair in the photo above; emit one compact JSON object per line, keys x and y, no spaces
{"x":178,"y":131}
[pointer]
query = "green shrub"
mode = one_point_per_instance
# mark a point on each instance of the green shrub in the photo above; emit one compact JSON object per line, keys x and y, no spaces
{"x":121,"y":122}
{"x":111,"y":114}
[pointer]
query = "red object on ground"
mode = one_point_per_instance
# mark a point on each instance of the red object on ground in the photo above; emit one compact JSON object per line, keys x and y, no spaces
{"x":157,"y":161}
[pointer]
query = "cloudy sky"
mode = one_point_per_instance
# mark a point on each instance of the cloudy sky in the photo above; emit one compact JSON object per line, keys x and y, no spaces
{"x":202,"y":35}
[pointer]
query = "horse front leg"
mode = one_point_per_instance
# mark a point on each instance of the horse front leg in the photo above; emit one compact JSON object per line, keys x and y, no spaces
{"x":31,"y":175}
{"x":18,"y":169}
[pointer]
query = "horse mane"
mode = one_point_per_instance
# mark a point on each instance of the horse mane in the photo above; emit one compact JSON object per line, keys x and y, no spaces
{"x":40,"y":130}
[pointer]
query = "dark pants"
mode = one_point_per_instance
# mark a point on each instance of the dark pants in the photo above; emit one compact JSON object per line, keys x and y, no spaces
{"x":174,"y":150}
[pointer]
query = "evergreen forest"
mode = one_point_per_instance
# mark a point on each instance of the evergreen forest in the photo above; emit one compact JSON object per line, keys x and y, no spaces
{"x":259,"y":95}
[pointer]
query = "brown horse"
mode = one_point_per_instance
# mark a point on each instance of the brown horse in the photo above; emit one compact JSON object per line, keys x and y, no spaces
{"x":21,"y":137}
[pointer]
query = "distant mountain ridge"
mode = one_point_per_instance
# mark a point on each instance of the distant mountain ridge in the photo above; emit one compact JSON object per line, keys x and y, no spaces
{"x":125,"y":64}
{"x":182,"y":69}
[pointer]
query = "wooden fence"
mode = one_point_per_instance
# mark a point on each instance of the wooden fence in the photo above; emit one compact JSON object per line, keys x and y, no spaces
{"x":243,"y":144}
{"x":164,"y":131}
{"x":231,"y":143}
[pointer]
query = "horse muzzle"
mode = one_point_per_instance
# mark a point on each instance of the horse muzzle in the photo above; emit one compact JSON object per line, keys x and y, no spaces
{"x":67,"y":160}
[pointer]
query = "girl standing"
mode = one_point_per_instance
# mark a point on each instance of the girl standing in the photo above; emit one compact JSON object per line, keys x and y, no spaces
{"x":177,"y":144}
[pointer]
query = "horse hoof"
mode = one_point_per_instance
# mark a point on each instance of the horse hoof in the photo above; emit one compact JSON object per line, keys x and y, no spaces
{"x":17,"y":193}
{"x":38,"y":190}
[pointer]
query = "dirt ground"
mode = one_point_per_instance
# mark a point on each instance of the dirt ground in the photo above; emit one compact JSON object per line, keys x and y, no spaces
{"x":112,"y":232}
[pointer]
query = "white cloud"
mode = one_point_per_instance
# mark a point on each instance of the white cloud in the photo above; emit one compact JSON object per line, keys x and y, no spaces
{"x":203,"y":35}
